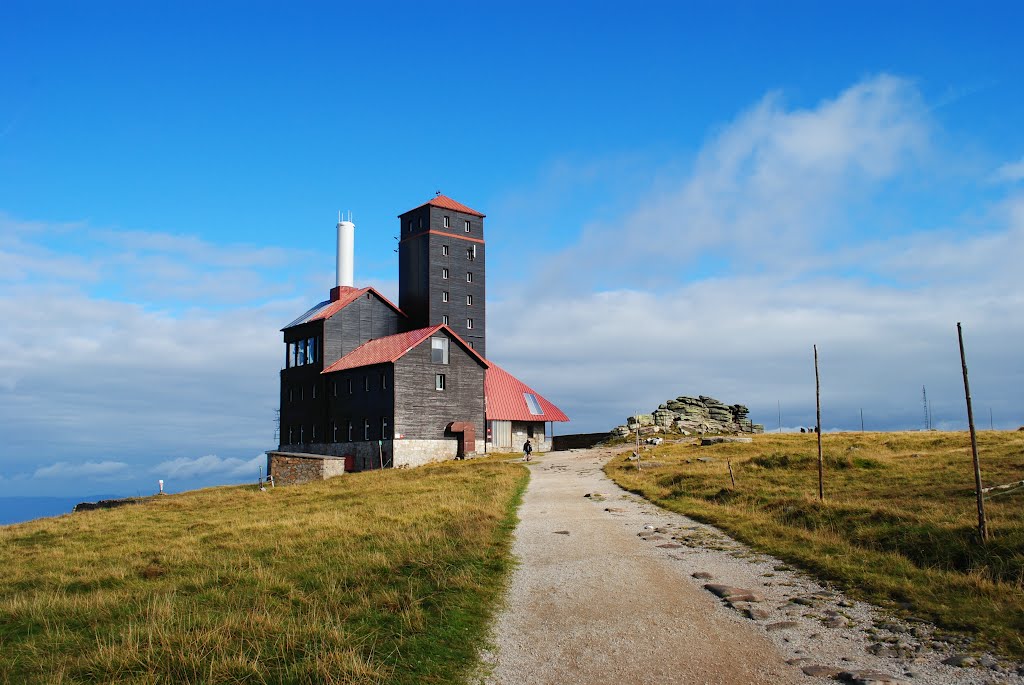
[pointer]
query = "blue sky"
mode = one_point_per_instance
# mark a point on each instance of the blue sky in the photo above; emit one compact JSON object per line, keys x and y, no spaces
{"x":681,"y":199}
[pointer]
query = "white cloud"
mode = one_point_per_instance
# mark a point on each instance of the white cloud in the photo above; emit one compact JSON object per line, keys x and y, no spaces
{"x":210,"y":464}
{"x":722,"y":284}
{"x":98,"y":470}
{"x":1011,"y":172}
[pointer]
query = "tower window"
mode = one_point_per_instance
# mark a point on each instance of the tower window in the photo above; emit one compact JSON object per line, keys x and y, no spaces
{"x":439,"y":350}
{"x":444,"y":296}
{"x":471,"y":253}
{"x":446,"y":224}
{"x":466,"y":224}
{"x":348,"y":426}
{"x":444,"y":250}
{"x":444,"y":273}
{"x":469,"y":324}
{"x":469,"y":277}
{"x":444,"y":319}
{"x":469,"y":300}
{"x":439,"y":381}
{"x":366,"y":429}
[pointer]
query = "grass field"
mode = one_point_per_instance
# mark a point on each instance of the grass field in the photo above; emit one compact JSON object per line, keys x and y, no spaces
{"x":897,"y":526}
{"x":374,"y":577}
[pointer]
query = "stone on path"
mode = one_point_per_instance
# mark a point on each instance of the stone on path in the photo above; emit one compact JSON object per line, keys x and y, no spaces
{"x":781,"y":625}
{"x":869,"y":677}
{"x":818,"y":671}
{"x":733,"y":594}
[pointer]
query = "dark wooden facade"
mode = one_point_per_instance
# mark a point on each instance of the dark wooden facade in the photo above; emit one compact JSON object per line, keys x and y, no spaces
{"x":442,"y":272}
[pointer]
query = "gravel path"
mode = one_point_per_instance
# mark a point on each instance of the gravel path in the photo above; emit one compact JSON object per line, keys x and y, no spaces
{"x":605,"y":593}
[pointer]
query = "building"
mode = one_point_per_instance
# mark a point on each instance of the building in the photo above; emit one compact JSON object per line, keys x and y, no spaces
{"x":366,"y":384}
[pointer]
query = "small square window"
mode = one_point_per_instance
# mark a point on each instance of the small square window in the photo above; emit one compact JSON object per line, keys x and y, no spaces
{"x":469,"y":324}
{"x":444,"y":296}
{"x":469,"y":300}
{"x":446,"y":224}
{"x":469,"y":277}
{"x":466,"y":224}
{"x":439,"y":381}
{"x":444,"y":273}
{"x":444,"y":250}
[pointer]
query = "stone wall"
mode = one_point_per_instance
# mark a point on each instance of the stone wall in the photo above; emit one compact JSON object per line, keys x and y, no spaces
{"x":577,"y":441}
{"x":687,"y":415}
{"x":293,"y":469}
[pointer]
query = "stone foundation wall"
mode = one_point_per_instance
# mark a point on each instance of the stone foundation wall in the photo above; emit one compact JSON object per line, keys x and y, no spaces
{"x":293,"y":469}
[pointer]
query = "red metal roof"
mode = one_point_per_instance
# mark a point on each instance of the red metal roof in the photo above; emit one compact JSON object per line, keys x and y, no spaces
{"x":506,"y":401}
{"x":446,"y":202}
{"x":346,"y":296}
{"x":391,"y":348}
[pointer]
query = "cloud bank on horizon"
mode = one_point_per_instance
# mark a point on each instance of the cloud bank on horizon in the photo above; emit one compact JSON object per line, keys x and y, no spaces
{"x":137,"y":355}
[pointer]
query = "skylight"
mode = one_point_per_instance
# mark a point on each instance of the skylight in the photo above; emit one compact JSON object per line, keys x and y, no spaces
{"x":532,"y":404}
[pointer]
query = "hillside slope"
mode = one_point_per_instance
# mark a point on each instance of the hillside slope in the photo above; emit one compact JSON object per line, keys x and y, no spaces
{"x":374,"y":577}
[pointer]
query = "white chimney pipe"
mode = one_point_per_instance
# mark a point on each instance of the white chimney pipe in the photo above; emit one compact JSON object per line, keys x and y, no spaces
{"x":346,"y":251}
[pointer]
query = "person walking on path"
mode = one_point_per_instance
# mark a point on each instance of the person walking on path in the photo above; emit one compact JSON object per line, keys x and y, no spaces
{"x":527,"y":450}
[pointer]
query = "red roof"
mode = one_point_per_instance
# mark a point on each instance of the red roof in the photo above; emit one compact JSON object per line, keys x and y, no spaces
{"x":346,"y":296}
{"x":391,"y":348}
{"x":506,"y":399}
{"x":446,"y":202}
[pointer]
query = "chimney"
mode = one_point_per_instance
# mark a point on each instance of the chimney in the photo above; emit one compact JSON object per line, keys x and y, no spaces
{"x":346,"y":251}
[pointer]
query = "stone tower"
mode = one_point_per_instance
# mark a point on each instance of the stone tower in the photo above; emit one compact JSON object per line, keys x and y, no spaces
{"x":441,"y":274}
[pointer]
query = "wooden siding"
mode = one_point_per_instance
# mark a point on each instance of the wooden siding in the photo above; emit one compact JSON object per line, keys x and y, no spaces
{"x":422,"y":413}
{"x":365,"y":319}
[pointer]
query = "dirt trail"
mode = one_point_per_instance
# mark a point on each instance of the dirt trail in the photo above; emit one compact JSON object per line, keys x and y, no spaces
{"x":593,"y":603}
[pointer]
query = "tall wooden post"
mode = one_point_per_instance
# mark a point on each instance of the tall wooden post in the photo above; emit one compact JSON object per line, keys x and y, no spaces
{"x":817,"y":398}
{"x":982,"y":528}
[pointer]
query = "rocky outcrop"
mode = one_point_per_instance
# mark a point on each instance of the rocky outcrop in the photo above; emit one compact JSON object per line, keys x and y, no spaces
{"x":688,"y":415}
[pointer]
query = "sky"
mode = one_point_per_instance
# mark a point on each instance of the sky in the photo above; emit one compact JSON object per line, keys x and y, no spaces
{"x":681,"y":199}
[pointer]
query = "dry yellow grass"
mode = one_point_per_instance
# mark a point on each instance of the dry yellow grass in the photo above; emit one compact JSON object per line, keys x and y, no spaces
{"x":897,"y":526}
{"x":368,"y":578}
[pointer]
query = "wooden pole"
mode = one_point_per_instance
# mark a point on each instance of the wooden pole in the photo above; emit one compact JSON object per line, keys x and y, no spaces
{"x":731,"y":477}
{"x":638,"y":441}
{"x":817,"y":397}
{"x":982,"y":528}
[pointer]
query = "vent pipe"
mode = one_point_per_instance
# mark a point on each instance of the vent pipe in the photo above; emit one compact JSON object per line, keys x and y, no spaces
{"x":346,"y":250}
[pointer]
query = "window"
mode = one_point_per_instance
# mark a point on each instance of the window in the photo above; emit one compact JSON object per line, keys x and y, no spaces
{"x":302,"y":434}
{"x":439,"y":381}
{"x":421,"y":222}
{"x":469,"y":324}
{"x":334,"y":431}
{"x":335,"y":387}
{"x":444,"y":273}
{"x":444,"y":319}
{"x":444,"y":296}
{"x":300,"y":353}
{"x":291,"y":395}
{"x":384,"y":381}
{"x":466,"y":224}
{"x":529,"y":430}
{"x":444,"y":250}
{"x":313,"y":437}
{"x":314,"y":391}
{"x":366,"y":383}
{"x":469,"y":300}
{"x":471,"y":253}
{"x":290,"y":429}
{"x":409,"y":227}
{"x":439,"y":350}
{"x":311,"y":350}
{"x":469,"y":277}
{"x":384,"y":428}
{"x":302,"y":393}
{"x":348,"y":432}
{"x":366,"y":429}
{"x":532,"y":404}
{"x":446,"y":225}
